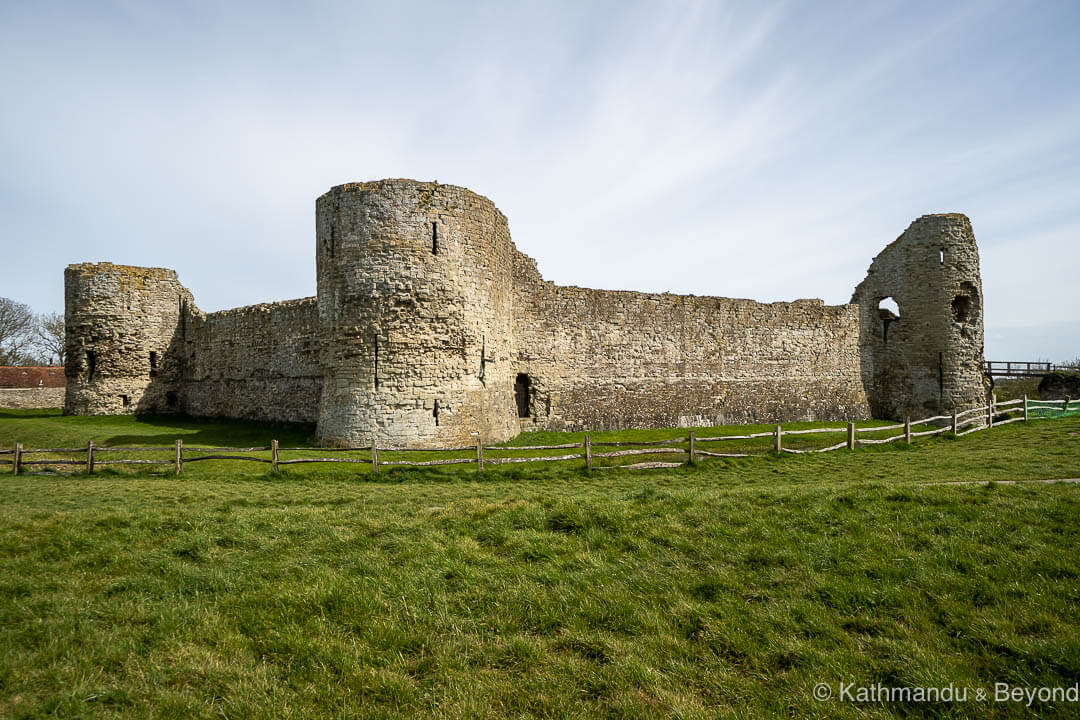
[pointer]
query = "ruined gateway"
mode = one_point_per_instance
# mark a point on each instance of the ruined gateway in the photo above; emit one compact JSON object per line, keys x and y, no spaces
{"x":430,"y":327}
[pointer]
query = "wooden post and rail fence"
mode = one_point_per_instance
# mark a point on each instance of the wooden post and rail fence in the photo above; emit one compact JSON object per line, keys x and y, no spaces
{"x":979,"y":418}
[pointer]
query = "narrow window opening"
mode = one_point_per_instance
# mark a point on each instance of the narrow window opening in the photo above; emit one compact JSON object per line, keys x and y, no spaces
{"x":333,"y":240}
{"x":941,"y":375}
{"x":522,"y":391}
{"x":941,"y":256}
{"x":376,"y":362}
{"x":125,"y":400}
{"x":171,"y":399}
{"x":153,"y":363}
{"x":435,"y":412}
{"x":91,"y":364}
{"x":434,"y":238}
{"x":889,"y":312}
{"x":484,"y":359}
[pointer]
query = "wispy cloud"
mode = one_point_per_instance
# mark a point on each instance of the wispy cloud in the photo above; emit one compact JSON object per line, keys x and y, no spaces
{"x":746,"y":149}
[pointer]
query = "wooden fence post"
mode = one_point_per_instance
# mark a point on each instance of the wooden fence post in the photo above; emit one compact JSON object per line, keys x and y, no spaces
{"x":588,"y":452}
{"x":692,"y":447}
{"x":907,"y":428}
{"x":851,"y":436}
{"x":374,"y":457}
{"x":479,"y":455}
{"x":16,"y":459}
{"x":90,"y":457}
{"x":179,"y":456}
{"x":273,"y":455}
{"x":1065,"y":407}
{"x":1025,"y":409}
{"x":779,"y":445}
{"x":990,"y":412}
{"x":954,"y":424}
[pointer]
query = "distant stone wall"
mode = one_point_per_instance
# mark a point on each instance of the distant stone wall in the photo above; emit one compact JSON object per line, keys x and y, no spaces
{"x":259,"y":362}
{"x":29,"y":398}
{"x":612,"y":359}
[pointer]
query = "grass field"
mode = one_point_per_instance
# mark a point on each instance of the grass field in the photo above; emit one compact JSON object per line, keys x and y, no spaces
{"x":729,"y":589}
{"x":49,"y":429}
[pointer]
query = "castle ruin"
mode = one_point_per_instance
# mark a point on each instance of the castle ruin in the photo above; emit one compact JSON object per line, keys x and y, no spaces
{"x":430,"y":327}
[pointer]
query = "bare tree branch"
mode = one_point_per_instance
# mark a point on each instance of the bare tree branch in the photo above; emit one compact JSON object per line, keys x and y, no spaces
{"x":49,"y":337}
{"x":17,"y":324}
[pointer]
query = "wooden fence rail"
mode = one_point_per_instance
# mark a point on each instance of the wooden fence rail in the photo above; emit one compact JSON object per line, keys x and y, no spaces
{"x":1023,"y":368}
{"x":959,"y":423}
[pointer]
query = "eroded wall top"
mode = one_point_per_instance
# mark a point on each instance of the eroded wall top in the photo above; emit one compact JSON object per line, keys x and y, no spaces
{"x":921,"y":320}
{"x":430,"y":328}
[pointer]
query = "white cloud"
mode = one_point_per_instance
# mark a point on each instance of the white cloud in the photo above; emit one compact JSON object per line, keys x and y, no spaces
{"x":764,"y":151}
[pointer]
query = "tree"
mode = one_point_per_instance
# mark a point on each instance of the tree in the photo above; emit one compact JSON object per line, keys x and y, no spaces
{"x":49,"y":337}
{"x":17,"y":325}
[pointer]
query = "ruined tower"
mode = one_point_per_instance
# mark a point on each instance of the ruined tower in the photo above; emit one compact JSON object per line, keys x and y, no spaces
{"x":430,"y":329}
{"x":122,"y":339}
{"x":414,"y":315}
{"x":925,"y":353}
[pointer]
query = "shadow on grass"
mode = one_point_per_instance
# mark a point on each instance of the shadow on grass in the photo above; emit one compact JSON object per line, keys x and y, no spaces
{"x":218,"y":433}
{"x":28,"y":414}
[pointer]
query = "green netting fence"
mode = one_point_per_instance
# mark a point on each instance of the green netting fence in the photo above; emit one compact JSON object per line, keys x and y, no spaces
{"x":1053,"y":408}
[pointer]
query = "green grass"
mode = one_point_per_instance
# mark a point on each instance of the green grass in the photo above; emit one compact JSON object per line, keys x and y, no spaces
{"x":49,"y":429}
{"x":1016,"y":388}
{"x":722,"y":590}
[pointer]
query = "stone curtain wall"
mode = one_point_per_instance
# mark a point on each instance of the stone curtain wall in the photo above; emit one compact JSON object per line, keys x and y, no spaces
{"x":259,"y":362}
{"x":610,"y":359}
{"x":415,"y":315}
{"x":930,"y":358}
{"x":137,"y":343}
{"x":430,"y":329}
{"x":30,"y":398}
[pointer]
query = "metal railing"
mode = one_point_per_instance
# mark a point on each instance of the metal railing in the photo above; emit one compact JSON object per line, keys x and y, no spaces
{"x":1016,"y":368}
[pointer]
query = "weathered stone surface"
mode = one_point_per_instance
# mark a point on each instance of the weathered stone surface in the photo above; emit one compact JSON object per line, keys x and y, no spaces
{"x":30,"y":398}
{"x":930,"y":358}
{"x":605,"y":359}
{"x":430,"y":327}
{"x":415,"y":315}
{"x":259,"y":362}
{"x":123,"y":339}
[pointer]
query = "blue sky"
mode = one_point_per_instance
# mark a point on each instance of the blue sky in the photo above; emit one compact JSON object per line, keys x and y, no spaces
{"x":739,"y":149}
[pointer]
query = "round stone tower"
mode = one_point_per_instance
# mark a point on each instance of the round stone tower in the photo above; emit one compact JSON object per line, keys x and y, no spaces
{"x":921,"y":321}
{"x":414,"y":296}
{"x":122,"y":340}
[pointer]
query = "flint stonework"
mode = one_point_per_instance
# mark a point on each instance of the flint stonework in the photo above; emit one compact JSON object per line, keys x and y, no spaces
{"x":429,"y":328}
